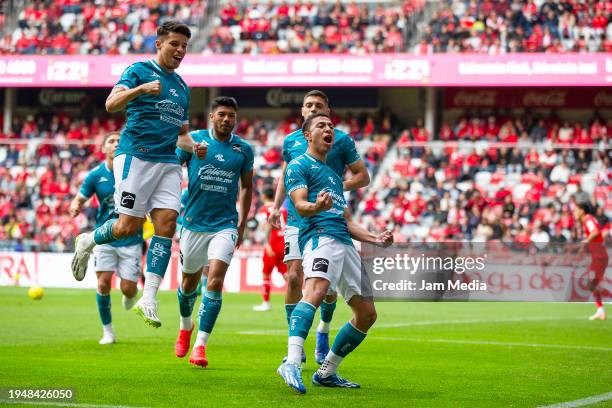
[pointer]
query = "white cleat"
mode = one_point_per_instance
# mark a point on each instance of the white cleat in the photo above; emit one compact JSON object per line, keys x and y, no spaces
{"x":128,"y":303}
{"x":148,"y":311}
{"x":107,"y":338}
{"x":264,"y":307}
{"x":81,"y":257}
{"x":598,"y":316}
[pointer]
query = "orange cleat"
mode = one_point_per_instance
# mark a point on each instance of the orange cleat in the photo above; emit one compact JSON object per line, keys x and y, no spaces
{"x":183,"y":341}
{"x":198,"y":356}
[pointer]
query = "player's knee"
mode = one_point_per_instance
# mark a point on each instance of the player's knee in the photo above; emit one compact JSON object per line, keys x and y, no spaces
{"x":366,"y":319}
{"x":103,"y":287}
{"x":129,"y":290}
{"x":124,"y":229}
{"x":294,"y":281}
{"x":214,"y":283}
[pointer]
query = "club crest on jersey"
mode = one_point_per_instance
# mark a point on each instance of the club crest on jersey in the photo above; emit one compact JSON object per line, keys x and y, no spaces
{"x":220,"y":157}
{"x":237,"y":148}
{"x":154,"y":75}
{"x":174,"y":93}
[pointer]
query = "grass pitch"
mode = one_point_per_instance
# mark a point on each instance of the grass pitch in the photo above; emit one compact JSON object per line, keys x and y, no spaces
{"x":417,"y":355}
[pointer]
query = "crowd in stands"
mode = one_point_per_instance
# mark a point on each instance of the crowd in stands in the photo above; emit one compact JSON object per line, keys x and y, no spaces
{"x":518,"y":193}
{"x":499,"y":27}
{"x":96,"y":27}
{"x":257,"y":27}
{"x":38,"y":180}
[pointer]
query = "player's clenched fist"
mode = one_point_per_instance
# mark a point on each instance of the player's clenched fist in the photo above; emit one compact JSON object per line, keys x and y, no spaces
{"x":324,"y":201}
{"x":152,"y":88}
{"x":200,"y":150}
{"x":385,"y":238}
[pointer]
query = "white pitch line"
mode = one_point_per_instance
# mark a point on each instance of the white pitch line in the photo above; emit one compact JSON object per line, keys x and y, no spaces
{"x":582,"y":402}
{"x":428,"y":323}
{"x":492,"y":343}
{"x":62,"y":404}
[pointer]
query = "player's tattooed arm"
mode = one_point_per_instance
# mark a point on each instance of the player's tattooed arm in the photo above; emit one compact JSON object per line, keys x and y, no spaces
{"x":120,"y":96}
{"x":307,"y":209}
{"x":360,"y":177}
{"x":244,"y":201}
{"x":359,"y":233}
{"x":185,"y":142}
{"x":77,"y":205}
{"x":279,"y":197}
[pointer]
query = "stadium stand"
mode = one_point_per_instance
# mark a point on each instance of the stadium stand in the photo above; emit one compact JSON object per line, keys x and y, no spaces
{"x":499,"y":27}
{"x":96,"y":27}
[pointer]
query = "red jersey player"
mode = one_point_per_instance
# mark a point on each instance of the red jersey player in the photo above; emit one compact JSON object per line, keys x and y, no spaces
{"x":599,"y":256}
{"x":274,"y":251}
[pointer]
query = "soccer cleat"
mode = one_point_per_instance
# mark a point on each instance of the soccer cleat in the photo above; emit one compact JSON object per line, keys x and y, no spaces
{"x":107,"y":338}
{"x":80,"y":259}
{"x":292,"y":374}
{"x":598,"y":316}
{"x":198,"y":356}
{"x":148,"y":312}
{"x":333,"y":380}
{"x":322,"y":347}
{"x":183,"y":341}
{"x":264,"y":307}
{"x":128,"y":303}
{"x":303,"y":358}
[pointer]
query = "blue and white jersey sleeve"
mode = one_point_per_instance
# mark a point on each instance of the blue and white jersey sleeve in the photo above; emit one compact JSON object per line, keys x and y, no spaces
{"x":129,"y":79}
{"x":350,"y":154}
{"x":248,"y":163}
{"x":88,"y":188}
{"x":286,"y":153}
{"x":295,"y":177}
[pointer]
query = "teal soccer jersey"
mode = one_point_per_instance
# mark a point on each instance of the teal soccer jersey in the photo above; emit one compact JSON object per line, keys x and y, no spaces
{"x":153,"y":121}
{"x":101,"y":182}
{"x":210,"y":204}
{"x":342,"y":154}
{"x":314,"y":175}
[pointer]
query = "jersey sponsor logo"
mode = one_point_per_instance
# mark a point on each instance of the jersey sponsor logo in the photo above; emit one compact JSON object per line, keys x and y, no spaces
{"x":128,"y":199}
{"x":331,"y":180}
{"x":313,"y":167}
{"x":219,"y":157}
{"x":170,"y":107}
{"x":210,"y":172}
{"x":320,"y":265}
{"x":174,"y":93}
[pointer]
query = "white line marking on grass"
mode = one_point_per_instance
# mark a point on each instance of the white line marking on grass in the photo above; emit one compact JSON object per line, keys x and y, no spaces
{"x":430,"y":323}
{"x":62,"y":404}
{"x":491,"y":343}
{"x":582,"y":402}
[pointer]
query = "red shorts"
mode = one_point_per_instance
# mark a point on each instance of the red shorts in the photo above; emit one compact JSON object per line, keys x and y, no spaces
{"x":270,"y":262}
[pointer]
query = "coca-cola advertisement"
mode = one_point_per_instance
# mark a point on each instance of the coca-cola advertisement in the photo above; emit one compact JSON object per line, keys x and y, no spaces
{"x":537,"y":98}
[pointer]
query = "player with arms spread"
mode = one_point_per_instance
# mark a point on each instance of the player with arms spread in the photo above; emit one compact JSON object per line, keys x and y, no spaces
{"x":330,"y":259}
{"x":599,"y":255}
{"x":123,"y":256}
{"x":147,"y":171}
{"x":212,"y":228}
{"x":273,"y":252}
{"x":342,"y":154}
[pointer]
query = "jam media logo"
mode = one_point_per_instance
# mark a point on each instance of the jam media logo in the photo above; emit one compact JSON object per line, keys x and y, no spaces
{"x":128,"y":199}
{"x":320,"y":265}
{"x":287,"y":248}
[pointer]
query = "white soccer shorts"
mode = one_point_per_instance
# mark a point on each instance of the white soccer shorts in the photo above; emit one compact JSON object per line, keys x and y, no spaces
{"x":198,"y":247}
{"x":335,"y":261}
{"x":141,"y":186}
{"x":126,"y":261}
{"x":292,"y":249}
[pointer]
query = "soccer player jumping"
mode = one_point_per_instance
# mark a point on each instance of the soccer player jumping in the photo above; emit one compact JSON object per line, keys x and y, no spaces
{"x":342,"y":154}
{"x":212,"y":228}
{"x":599,"y":255}
{"x":123,"y":256}
{"x":147,"y":171}
{"x":330,"y":259}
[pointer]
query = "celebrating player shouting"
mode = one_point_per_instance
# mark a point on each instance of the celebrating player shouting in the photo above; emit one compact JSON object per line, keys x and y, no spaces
{"x":212,"y":227}
{"x":330,"y":259}
{"x":342,"y":154}
{"x":123,"y":256}
{"x":147,"y":171}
